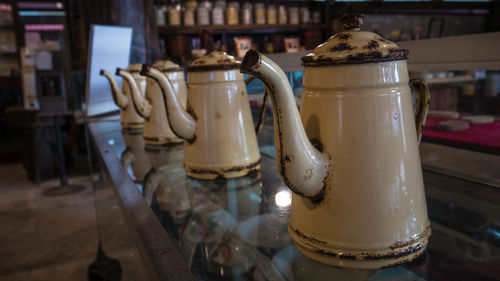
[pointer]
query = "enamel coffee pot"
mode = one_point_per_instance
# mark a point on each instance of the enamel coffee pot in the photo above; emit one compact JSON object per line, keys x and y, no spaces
{"x":157,"y":131}
{"x":352,"y":157}
{"x":130,"y":119}
{"x":217,"y":123}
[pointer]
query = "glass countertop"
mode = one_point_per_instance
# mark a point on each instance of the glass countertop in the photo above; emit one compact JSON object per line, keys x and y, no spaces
{"x":236,"y":229}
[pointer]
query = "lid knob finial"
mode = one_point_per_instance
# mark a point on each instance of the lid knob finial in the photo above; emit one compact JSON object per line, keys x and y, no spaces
{"x":351,"y":22}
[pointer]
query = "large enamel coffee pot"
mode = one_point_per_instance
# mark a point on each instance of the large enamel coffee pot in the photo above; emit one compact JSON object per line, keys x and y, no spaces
{"x":351,"y":157}
{"x":151,"y":107}
{"x":130,"y":119}
{"x":217,"y":122}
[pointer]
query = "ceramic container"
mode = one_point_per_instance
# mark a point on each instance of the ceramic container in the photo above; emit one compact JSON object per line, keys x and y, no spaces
{"x":130,"y":119}
{"x":217,"y":123}
{"x":351,"y":157}
{"x":157,"y":131}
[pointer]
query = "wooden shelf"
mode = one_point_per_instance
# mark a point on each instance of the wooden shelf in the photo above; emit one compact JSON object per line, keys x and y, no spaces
{"x":237,"y":29}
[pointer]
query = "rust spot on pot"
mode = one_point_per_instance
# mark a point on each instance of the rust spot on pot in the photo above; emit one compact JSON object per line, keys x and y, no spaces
{"x":302,"y":235}
{"x":316,"y":143}
{"x":402,"y":243}
{"x":221,"y":172}
{"x":217,"y":115}
{"x":341,"y":47}
{"x":289,"y":158}
{"x":309,"y":173}
{"x":242,"y":93}
{"x":372,"y":44}
{"x":190,"y":110}
{"x":314,"y":243}
{"x":344,"y":36}
{"x":396,"y":116}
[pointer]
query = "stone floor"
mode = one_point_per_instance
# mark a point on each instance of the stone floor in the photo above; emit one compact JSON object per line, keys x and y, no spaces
{"x":44,"y":238}
{"x":56,"y":237}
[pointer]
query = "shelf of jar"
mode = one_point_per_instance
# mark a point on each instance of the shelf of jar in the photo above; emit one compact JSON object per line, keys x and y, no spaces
{"x":238,"y":29}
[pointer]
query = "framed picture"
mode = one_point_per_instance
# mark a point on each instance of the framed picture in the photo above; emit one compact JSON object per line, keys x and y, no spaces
{"x":242,"y":44}
{"x":292,"y":45}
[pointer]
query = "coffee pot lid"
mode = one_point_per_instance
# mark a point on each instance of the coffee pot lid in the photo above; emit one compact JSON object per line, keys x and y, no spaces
{"x":353,"y":46}
{"x":134,"y":67}
{"x":214,"y":60}
{"x":167,"y":66}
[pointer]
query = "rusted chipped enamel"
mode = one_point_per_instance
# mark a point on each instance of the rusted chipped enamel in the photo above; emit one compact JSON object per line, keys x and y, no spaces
{"x":354,"y":47}
{"x":222,"y":173}
{"x":404,"y":251}
{"x":368,"y":188}
{"x":214,"y":60}
{"x":217,"y":103}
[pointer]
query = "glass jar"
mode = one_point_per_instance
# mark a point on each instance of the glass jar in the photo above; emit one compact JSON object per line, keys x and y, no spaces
{"x":188,"y":17}
{"x":174,"y":14}
{"x":203,"y":13}
{"x":293,"y":15}
{"x":282,"y":16}
{"x":305,"y":15}
{"x":316,"y":17}
{"x":232,"y":13}
{"x":246,"y":13}
{"x":260,"y":13}
{"x":218,"y":15}
{"x":271,"y":14}
{"x":160,"y":14}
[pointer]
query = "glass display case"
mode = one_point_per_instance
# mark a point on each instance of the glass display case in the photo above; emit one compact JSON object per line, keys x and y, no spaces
{"x":236,"y":229}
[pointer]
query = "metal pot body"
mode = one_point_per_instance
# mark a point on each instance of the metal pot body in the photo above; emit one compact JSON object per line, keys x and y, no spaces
{"x":225,"y":144}
{"x":373,"y":213}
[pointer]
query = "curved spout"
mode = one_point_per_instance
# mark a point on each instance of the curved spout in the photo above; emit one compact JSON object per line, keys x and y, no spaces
{"x":182,"y":123}
{"x":120,"y":99}
{"x":302,"y":167}
{"x":141,"y":104}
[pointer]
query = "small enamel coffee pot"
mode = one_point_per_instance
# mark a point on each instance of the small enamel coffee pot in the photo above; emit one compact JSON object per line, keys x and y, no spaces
{"x":351,"y":157}
{"x":217,"y":123}
{"x":130,"y":119}
{"x":151,"y":107}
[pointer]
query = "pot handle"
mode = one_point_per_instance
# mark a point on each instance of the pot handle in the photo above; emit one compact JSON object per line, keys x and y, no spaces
{"x":423,"y":97}
{"x":262,"y":114}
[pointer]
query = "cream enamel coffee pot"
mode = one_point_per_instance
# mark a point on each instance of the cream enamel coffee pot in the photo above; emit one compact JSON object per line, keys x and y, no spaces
{"x":130,"y":119}
{"x":351,"y":157}
{"x":217,"y":123}
{"x":151,"y":107}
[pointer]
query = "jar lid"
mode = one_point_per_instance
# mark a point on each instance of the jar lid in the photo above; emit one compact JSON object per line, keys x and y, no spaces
{"x":354,"y":46}
{"x":214,"y":61}
{"x":135,"y":67}
{"x":167,"y":66}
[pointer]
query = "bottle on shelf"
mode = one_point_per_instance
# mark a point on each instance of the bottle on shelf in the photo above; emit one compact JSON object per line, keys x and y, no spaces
{"x":218,"y":14}
{"x":160,"y":14}
{"x":305,"y":15}
{"x":232,"y":11}
{"x":174,"y":14}
{"x":203,"y":13}
{"x":282,"y":14}
{"x":246,"y":13}
{"x":293,"y":15}
{"x":260,"y":13}
{"x":271,"y":14}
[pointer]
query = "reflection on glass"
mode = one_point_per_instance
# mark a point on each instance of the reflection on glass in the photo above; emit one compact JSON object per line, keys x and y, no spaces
{"x":134,"y":155}
{"x":283,"y":198}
